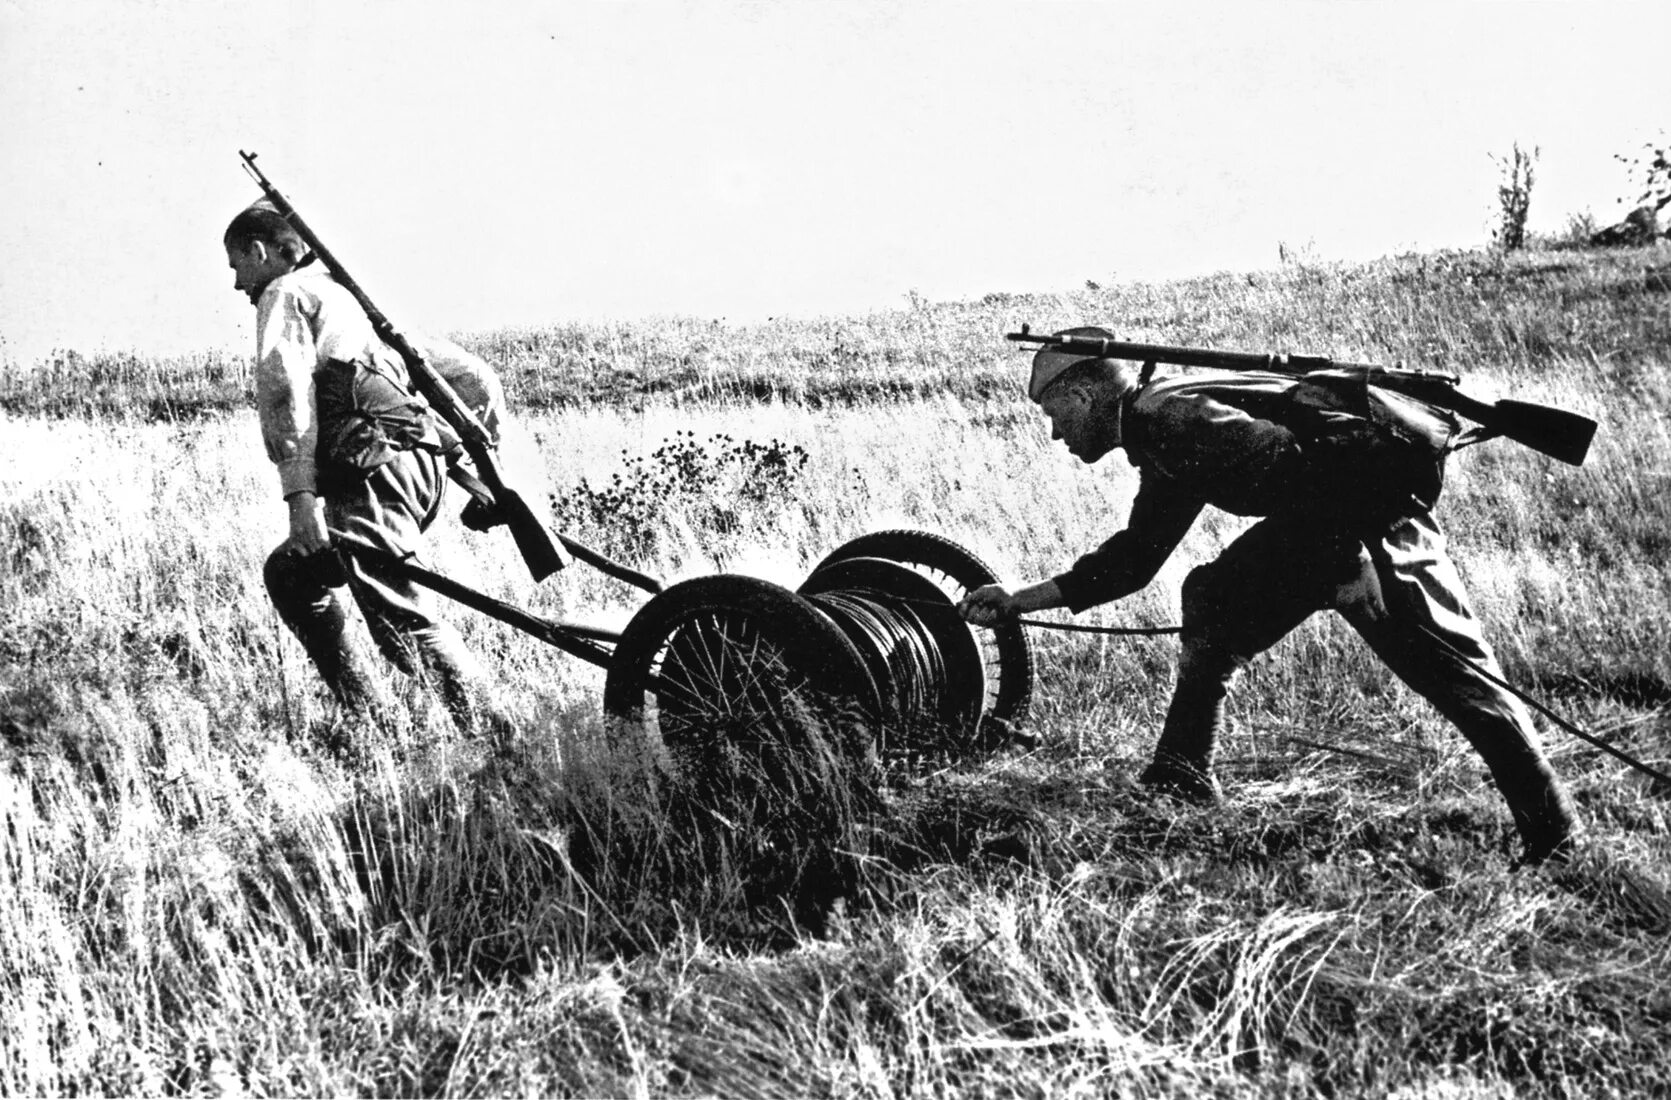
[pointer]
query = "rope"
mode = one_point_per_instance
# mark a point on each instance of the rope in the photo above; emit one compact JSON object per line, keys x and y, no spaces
{"x":1529,"y":700}
{"x":1438,"y":639}
{"x":1074,"y":628}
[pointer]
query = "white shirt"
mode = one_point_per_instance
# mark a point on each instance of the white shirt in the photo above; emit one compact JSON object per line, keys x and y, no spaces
{"x":305,"y":319}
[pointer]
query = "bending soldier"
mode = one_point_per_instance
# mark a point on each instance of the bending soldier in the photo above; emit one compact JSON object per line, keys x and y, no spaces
{"x":1343,"y":483}
{"x":355,"y":451}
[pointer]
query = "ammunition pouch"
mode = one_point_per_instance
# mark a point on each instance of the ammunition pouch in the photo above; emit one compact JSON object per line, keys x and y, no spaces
{"x":365,"y":420}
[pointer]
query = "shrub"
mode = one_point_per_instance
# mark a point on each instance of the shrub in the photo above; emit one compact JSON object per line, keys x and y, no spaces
{"x":1577,"y":232}
{"x":717,"y":486}
{"x":1652,"y":168}
{"x":1514,"y":197}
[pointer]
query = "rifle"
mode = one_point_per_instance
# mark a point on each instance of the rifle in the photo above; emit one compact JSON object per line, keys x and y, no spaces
{"x":543,"y":552}
{"x":1555,"y":432}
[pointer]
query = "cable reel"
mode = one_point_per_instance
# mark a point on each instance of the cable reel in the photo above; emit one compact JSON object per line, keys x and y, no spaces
{"x":871,"y":641}
{"x":924,"y":659}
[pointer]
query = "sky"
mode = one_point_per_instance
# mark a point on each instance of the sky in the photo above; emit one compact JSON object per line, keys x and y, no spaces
{"x":484,"y":165}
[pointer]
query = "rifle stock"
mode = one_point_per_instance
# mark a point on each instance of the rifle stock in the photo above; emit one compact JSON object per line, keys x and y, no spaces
{"x":540,"y":549}
{"x":1558,"y":433}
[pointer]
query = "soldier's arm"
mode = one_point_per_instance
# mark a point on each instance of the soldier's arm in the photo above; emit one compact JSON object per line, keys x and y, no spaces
{"x":286,"y":356}
{"x":1160,"y":517}
{"x":1119,"y":567}
{"x":285,"y":359}
{"x":991,"y":604}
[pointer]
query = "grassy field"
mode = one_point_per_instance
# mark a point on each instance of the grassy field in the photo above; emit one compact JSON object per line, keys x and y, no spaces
{"x":197,"y":897}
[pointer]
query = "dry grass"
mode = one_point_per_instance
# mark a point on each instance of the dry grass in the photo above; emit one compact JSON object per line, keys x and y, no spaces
{"x":196,"y":897}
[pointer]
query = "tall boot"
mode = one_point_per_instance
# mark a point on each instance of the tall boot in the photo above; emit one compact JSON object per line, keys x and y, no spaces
{"x":1542,"y":810}
{"x":1501,"y":731}
{"x":459,"y":681}
{"x":300,"y":590}
{"x":1183,"y":762}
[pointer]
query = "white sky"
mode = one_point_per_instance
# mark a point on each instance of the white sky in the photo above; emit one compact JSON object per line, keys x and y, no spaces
{"x":484,"y":164}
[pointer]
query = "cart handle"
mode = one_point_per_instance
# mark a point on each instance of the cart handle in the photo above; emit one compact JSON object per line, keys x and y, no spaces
{"x":613,"y":568}
{"x":571,"y":638}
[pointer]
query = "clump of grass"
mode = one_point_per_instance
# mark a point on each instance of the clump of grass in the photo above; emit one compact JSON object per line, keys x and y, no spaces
{"x":755,"y":835}
{"x":126,"y":386}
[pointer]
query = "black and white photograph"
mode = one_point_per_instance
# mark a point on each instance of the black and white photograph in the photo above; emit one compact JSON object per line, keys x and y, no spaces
{"x":861,"y":548}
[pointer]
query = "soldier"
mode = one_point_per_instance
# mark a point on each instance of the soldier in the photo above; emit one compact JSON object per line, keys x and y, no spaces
{"x":355,"y":451}
{"x":1345,"y":505}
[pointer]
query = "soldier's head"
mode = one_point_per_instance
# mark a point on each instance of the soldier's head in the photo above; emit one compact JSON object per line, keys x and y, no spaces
{"x":261,"y":246}
{"x":1083,"y":395}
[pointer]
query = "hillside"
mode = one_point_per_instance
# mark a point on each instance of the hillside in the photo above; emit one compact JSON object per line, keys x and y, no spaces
{"x":1600,"y":311}
{"x":210,"y":883}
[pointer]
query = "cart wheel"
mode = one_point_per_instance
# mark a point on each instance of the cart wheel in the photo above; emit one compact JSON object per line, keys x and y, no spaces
{"x":1006,"y":650}
{"x":925,"y":660}
{"x":745,"y":684}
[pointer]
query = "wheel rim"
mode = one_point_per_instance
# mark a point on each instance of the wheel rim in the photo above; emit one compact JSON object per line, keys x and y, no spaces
{"x":733,"y":674}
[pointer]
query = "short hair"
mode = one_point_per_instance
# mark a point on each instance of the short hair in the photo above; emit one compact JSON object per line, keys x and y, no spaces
{"x":263,"y":223}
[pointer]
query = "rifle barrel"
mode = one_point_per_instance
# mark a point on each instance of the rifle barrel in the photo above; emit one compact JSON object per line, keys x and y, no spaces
{"x":1555,"y":432}
{"x":1281,"y":363}
{"x":1184,"y":357}
{"x":543,"y":553}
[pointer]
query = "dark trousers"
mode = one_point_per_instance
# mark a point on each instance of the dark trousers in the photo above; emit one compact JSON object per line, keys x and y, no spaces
{"x":390,"y":508}
{"x":1402,"y":594}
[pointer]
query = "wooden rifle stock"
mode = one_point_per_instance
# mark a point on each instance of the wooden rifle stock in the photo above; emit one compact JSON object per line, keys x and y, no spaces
{"x":541,"y":550}
{"x":1560,"y":434}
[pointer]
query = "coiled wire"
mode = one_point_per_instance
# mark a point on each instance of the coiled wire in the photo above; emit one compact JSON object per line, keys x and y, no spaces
{"x":898,"y":648}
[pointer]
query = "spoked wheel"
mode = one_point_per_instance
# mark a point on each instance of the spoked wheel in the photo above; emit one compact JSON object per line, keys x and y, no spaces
{"x":925,"y":660}
{"x":1006,"y":651}
{"x":753,"y":692}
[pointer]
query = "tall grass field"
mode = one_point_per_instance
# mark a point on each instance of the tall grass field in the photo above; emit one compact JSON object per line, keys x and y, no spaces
{"x":202,"y":891}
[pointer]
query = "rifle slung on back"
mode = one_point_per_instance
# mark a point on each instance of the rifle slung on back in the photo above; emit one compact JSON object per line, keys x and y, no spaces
{"x":1558,"y":433}
{"x":543,"y":552}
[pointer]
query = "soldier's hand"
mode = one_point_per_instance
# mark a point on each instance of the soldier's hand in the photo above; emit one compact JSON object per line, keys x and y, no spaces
{"x":988,"y":605}
{"x":480,"y":517}
{"x":307,"y":525}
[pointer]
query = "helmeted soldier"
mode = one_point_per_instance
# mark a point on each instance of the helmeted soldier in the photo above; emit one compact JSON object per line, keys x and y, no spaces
{"x":1343,"y":477}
